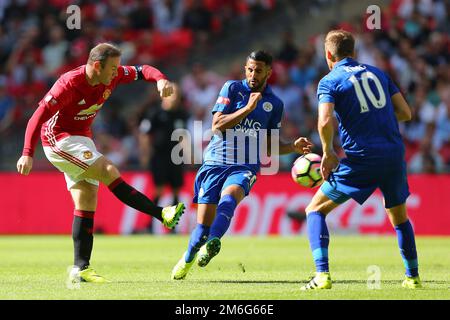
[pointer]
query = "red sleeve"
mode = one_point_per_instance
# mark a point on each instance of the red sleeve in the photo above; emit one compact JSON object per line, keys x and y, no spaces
{"x":41,"y":115}
{"x":131,"y":73}
{"x":152,"y":74}
{"x":54,"y":100}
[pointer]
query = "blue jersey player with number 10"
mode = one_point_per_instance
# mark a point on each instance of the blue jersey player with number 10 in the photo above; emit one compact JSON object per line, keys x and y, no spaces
{"x":368,"y":107}
{"x":247,"y":111}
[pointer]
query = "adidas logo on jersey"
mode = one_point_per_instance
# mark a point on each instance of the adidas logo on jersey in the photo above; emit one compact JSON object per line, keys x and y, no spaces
{"x":81,"y":102}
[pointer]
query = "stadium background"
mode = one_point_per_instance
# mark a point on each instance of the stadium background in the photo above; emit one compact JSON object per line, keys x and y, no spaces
{"x":200,"y":44}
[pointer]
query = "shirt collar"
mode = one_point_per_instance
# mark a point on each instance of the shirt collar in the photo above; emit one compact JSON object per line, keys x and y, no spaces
{"x":267,"y":89}
{"x":344,"y":61}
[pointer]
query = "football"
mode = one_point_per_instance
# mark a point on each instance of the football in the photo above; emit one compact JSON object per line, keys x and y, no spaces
{"x":306,"y":170}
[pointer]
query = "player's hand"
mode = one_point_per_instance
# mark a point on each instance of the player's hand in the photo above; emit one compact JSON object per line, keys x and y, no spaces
{"x":302,"y":145}
{"x":24,"y":165}
{"x":329,"y":164}
{"x":253,"y":100}
{"x":165,"y":88}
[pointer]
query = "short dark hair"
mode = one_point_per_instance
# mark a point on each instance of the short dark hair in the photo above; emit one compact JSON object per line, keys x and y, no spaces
{"x":261,"y":55}
{"x":102,"y":52}
{"x":340,"y":43}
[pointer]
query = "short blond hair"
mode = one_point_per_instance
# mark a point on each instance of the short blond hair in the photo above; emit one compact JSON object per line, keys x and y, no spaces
{"x":340,"y":43}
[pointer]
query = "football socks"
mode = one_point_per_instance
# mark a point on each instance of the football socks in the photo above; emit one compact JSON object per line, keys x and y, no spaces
{"x":83,"y":240}
{"x":199,"y":236}
{"x":224,"y":213}
{"x":319,"y":240}
{"x":407,"y":245}
{"x":133,"y":198}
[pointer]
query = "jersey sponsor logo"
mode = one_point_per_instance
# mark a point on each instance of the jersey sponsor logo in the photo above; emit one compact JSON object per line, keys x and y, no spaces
{"x":86,"y":117}
{"x":106,"y":94}
{"x":87,"y":155}
{"x":92,"y":109}
{"x":249,"y":127}
{"x":267,"y":106}
{"x":223,"y":100}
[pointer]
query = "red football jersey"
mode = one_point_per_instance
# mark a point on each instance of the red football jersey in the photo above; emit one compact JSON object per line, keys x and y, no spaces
{"x":69,"y":108}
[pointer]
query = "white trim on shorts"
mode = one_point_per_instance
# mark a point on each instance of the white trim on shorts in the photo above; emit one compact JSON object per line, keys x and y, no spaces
{"x":72,"y":155}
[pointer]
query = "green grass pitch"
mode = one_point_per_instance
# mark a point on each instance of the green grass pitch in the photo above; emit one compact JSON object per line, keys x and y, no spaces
{"x":34,"y":267}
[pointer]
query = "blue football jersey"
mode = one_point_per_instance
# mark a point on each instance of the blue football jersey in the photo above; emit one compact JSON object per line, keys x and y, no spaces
{"x":240,"y":145}
{"x":362,"y":95}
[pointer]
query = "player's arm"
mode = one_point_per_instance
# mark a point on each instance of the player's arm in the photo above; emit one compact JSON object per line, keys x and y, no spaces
{"x":222,"y":121}
{"x":301,"y":145}
{"x":401,"y":108}
{"x":326,"y":131}
{"x":147,"y":73}
{"x":53,"y":101}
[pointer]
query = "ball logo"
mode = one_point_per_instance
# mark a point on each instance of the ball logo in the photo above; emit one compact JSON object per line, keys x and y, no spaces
{"x":87,"y":155}
{"x":106,"y":94}
{"x":267,"y":106}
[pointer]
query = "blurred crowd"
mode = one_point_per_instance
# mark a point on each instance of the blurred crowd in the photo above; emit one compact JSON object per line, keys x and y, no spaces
{"x":413,"y":47}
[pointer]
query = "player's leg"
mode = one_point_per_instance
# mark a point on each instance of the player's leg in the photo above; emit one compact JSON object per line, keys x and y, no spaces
{"x":395,"y":190}
{"x":207,"y":186}
{"x":84,"y":196}
{"x":319,"y":237}
{"x":351,"y":180}
{"x":236,"y":187}
{"x":106,"y":172}
{"x":231,"y":196}
{"x":407,"y":244}
{"x":199,"y":236}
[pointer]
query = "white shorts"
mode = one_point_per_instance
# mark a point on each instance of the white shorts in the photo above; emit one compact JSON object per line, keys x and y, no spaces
{"x":73,"y":156}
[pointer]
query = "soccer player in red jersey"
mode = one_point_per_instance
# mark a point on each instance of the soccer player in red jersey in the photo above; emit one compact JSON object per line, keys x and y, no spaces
{"x":64,"y":119}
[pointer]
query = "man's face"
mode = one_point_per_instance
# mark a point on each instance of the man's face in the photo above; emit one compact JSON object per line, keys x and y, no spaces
{"x":107,"y":73}
{"x":257,"y":73}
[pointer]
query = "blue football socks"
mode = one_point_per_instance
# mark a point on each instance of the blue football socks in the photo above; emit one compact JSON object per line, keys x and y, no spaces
{"x":319,"y":240}
{"x":225,"y":211}
{"x":199,"y":236}
{"x":407,"y":245}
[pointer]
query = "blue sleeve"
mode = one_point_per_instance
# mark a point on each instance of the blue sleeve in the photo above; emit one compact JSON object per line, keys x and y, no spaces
{"x":223,"y":103}
{"x":393,"y":89}
{"x":275,"y":120}
{"x":325,"y":92}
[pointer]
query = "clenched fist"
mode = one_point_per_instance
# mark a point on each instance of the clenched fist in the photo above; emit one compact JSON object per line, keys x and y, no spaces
{"x":253,"y":100}
{"x":165,"y":88}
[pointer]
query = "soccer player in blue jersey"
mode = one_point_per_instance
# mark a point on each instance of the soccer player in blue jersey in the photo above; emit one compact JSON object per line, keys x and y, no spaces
{"x":243,"y":111}
{"x":368,"y":107}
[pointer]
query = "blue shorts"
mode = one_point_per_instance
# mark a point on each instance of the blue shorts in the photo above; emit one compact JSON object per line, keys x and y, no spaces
{"x":356,"y":180}
{"x":211,"y":180}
